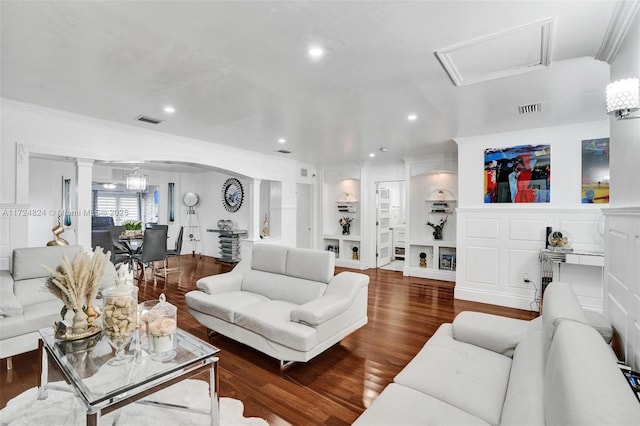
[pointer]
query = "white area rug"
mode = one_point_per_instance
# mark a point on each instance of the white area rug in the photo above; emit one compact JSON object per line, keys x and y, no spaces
{"x":63,"y":409}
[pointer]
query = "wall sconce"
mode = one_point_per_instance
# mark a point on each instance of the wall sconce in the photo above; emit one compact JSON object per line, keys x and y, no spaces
{"x":623,"y":98}
{"x":136,"y":182}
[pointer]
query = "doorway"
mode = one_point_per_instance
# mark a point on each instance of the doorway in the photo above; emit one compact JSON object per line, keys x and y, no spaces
{"x":304,"y":217}
{"x":390,"y":225}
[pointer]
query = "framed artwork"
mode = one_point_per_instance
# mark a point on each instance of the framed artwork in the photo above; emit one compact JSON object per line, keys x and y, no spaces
{"x":518,"y":174}
{"x":595,"y":171}
{"x":171,"y":202}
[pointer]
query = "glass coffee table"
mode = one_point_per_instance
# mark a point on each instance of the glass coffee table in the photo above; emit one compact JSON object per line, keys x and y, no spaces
{"x":104,"y":388}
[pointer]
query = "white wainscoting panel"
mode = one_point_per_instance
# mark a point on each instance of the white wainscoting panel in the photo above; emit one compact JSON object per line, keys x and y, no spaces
{"x":527,"y":230}
{"x":521,"y":262}
{"x":13,"y":231}
{"x":498,"y":244}
{"x":482,"y":228}
{"x":482,"y":265}
{"x":622,"y":280}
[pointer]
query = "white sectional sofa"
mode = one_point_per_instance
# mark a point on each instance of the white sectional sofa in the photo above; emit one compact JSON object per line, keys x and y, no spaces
{"x":488,"y":370}
{"x":26,"y":305}
{"x":285,"y":302}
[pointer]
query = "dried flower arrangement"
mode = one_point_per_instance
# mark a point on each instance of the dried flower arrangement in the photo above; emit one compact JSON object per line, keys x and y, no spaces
{"x":77,"y":282}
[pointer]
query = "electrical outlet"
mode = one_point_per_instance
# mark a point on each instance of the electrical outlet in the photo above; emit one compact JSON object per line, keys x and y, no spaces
{"x":525,"y":277}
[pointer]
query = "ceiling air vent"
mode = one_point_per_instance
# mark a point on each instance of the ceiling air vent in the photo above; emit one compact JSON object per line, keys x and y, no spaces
{"x":150,"y":120}
{"x":530,"y":108}
{"x":284,"y":151}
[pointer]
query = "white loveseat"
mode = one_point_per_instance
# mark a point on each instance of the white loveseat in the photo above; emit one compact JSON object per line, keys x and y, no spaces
{"x":285,"y":302}
{"x":26,"y":305}
{"x":489,"y":370}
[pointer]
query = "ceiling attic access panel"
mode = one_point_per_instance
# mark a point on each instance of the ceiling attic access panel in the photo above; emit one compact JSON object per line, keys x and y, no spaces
{"x":513,"y":51}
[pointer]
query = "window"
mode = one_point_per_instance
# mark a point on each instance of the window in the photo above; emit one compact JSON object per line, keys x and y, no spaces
{"x":121,"y":206}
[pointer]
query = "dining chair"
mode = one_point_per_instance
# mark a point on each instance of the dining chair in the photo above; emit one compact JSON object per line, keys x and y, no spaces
{"x":154,"y":249}
{"x":174,"y":252}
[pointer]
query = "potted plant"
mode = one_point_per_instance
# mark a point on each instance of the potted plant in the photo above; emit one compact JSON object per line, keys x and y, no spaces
{"x":132,"y":227}
{"x":438,"y":229}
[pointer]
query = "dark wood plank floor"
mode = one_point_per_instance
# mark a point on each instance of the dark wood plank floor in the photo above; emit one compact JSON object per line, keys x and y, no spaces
{"x":333,"y":388}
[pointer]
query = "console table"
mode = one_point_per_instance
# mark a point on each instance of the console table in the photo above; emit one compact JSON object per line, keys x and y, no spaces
{"x":550,"y":257}
{"x":229,"y":242}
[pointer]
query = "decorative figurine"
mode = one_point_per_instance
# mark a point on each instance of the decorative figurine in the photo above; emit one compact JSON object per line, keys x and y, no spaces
{"x":354,"y":254}
{"x":57,"y":231}
{"x":423,"y":259}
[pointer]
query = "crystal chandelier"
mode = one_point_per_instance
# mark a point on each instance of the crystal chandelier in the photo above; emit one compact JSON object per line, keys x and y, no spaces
{"x":136,"y":182}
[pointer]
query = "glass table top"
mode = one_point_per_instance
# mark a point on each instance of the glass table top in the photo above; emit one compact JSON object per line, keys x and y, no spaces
{"x":85,"y":363}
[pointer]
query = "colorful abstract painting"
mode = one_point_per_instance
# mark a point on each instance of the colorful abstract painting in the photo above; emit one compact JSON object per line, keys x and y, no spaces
{"x":518,"y":174}
{"x":595,"y":171}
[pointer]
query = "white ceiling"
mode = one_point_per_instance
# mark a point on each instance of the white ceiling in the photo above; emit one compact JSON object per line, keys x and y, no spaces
{"x":237,"y":72}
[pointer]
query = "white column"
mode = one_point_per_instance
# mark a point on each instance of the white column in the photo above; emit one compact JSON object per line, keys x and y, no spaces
{"x":22,"y":174}
{"x":84,"y":176}
{"x":254,"y":210}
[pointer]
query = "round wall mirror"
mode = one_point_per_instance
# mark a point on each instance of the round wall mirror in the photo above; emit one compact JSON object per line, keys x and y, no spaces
{"x":191,"y":199}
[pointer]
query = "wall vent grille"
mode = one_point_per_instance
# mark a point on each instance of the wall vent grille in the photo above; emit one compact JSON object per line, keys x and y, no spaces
{"x":150,"y":120}
{"x":284,"y":151}
{"x":303,"y":172}
{"x":530,"y":108}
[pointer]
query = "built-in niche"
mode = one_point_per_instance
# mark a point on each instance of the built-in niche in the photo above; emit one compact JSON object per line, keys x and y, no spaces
{"x":270,"y":209}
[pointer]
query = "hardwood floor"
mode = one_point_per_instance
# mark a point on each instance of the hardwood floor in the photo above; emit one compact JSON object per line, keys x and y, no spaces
{"x":333,"y":388}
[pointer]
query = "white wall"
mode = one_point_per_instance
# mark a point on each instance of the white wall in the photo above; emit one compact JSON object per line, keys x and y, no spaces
{"x":28,"y":130}
{"x":497,"y":243}
{"x":622,"y":265}
{"x":45,"y":187}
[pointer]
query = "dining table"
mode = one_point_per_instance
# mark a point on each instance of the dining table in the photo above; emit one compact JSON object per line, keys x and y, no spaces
{"x":132,"y":245}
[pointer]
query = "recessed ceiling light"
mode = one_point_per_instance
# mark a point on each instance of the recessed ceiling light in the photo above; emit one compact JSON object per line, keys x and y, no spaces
{"x":412,"y":117}
{"x":109,"y":186}
{"x":315,"y":52}
{"x":282,"y":140}
{"x":169,"y":109}
{"x":372,"y":154}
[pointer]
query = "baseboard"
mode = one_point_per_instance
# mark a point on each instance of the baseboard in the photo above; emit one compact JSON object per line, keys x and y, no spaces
{"x":500,"y":299}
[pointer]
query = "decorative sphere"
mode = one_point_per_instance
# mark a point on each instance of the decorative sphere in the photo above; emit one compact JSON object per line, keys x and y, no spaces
{"x":559,"y":240}
{"x":221,"y":224}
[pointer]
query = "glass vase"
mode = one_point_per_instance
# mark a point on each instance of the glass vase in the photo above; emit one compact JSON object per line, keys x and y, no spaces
{"x":120,"y":319}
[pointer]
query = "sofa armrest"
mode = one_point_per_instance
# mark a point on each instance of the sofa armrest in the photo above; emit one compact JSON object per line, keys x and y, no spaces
{"x":222,"y":283}
{"x":321,"y":309}
{"x":347,"y":284}
{"x":9,"y":304}
{"x":492,"y":332}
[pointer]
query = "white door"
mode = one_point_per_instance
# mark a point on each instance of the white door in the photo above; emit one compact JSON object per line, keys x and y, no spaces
{"x":304,"y":206}
{"x":383,"y":239}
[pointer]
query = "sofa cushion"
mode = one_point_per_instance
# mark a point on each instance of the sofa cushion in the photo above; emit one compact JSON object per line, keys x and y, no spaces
{"x":583,"y":384}
{"x":496,"y":333}
{"x":400,"y":405}
{"x":282,"y":287}
{"x":523,"y":404}
{"x":28,"y":262}
{"x":559,"y":303}
{"x":9,"y":303}
{"x":269,"y":258}
{"x":314,"y":265}
{"x":32,"y":291}
{"x":33,"y":318}
{"x":272,"y":320}
{"x":463,"y":375}
{"x":222,"y":305}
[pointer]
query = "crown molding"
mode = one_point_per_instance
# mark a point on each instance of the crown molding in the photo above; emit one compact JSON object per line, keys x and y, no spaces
{"x":621,"y":20}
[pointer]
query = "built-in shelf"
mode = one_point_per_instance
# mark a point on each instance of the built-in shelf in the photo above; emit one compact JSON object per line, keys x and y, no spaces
{"x":440,"y":260}
{"x":342,"y":246}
